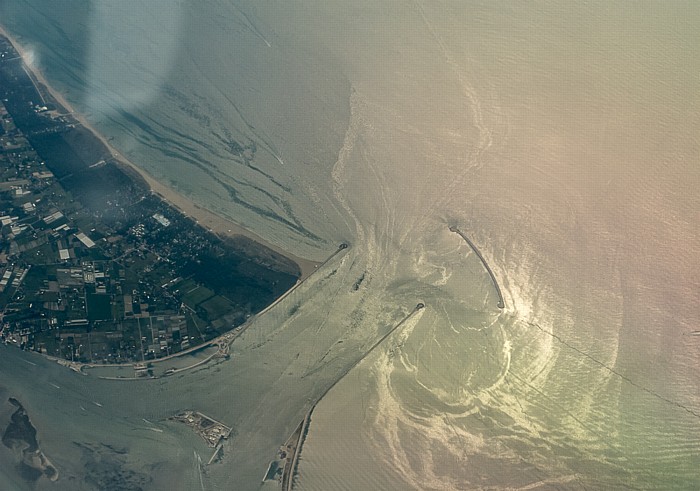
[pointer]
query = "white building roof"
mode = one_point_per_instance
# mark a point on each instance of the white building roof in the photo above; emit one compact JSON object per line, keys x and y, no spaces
{"x":85,"y":240}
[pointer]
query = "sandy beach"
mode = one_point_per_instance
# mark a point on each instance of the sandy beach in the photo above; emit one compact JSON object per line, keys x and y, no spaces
{"x":221,"y":226}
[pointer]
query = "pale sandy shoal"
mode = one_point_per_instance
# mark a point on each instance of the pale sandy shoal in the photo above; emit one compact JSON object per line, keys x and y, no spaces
{"x":206,"y":218}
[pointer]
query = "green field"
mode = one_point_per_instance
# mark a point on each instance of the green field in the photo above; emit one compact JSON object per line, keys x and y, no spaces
{"x":216,"y":307}
{"x":99,"y":306}
{"x":196,"y":295}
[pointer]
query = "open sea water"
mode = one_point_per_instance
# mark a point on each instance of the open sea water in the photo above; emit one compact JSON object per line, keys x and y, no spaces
{"x":562,"y":138}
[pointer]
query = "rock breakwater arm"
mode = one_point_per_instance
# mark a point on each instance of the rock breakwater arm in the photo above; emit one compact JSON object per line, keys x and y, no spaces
{"x":501,"y":304}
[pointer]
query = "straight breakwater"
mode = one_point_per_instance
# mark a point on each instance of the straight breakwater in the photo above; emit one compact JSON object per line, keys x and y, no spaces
{"x":292,"y":463}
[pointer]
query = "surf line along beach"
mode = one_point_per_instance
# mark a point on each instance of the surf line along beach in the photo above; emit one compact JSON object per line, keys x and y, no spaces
{"x":207,"y":219}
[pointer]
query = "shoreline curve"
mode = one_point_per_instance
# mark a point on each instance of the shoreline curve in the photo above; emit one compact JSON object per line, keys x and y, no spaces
{"x":209,"y":220}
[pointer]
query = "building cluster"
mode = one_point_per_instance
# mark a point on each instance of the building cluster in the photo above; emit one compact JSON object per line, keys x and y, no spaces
{"x":93,"y":266}
{"x":209,"y":429}
{"x":96,"y":285}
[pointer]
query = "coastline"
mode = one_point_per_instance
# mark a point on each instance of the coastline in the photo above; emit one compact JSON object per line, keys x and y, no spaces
{"x":223,"y":227}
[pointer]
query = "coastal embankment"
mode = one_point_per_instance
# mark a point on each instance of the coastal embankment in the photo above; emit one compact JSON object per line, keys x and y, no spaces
{"x":221,"y":343}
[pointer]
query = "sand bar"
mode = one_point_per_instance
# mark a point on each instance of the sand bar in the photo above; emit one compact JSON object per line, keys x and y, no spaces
{"x":221,"y":226}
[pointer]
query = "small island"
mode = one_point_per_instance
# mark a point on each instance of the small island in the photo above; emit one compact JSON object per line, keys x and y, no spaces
{"x":98,"y":268}
{"x":209,"y":429}
{"x":20,"y":437}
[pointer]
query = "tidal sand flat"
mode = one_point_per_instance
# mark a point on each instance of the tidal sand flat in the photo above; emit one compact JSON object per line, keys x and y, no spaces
{"x":561,"y":139}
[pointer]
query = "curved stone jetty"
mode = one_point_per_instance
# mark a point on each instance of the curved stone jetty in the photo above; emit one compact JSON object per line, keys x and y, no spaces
{"x":501,"y":304}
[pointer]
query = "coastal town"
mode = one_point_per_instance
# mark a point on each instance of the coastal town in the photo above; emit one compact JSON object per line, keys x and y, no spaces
{"x":96,"y":268}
